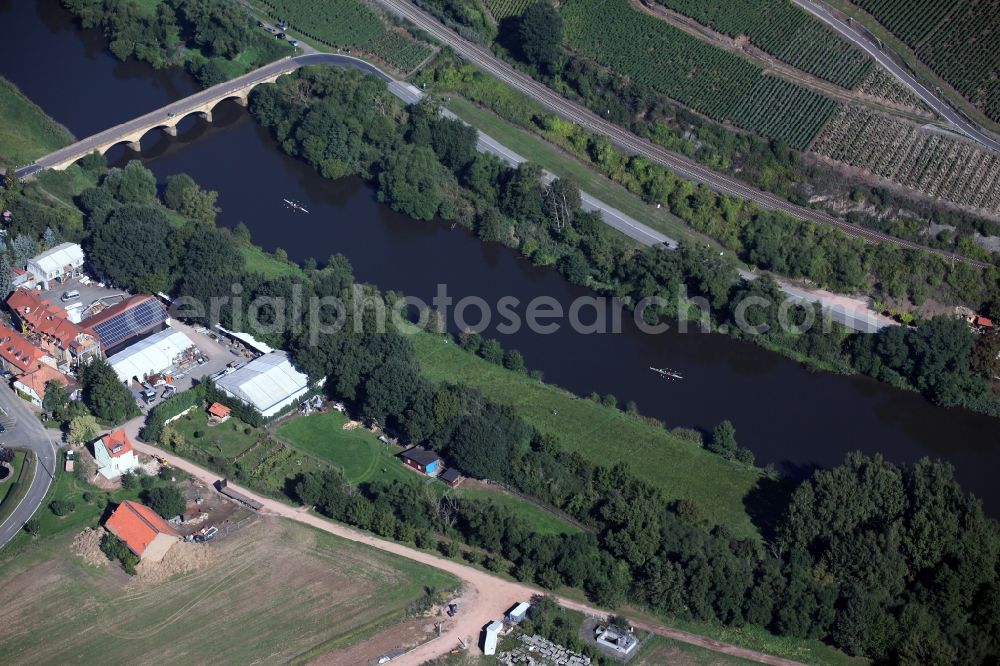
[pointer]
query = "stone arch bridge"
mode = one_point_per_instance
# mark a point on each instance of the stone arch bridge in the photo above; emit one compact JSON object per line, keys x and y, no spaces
{"x":167,"y":118}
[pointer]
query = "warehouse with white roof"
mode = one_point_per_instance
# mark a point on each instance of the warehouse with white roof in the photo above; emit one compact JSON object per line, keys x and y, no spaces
{"x":151,"y":356}
{"x":269,"y":383}
{"x":62,"y":262}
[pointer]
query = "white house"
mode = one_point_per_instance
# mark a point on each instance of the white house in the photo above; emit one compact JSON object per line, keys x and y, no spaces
{"x":115,"y":455}
{"x":62,"y":262}
{"x":492,"y":634}
{"x":269,"y":383}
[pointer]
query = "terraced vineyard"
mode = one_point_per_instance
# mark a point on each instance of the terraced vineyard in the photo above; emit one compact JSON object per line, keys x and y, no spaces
{"x":879,"y":83}
{"x":719,"y":84}
{"x":786,"y":32}
{"x":502,"y":9}
{"x":398,"y":50}
{"x":960,"y":41}
{"x":350,"y":25}
{"x":936,"y":164}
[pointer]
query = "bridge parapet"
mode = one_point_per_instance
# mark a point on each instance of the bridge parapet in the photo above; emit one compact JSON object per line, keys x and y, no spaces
{"x":168,"y":117}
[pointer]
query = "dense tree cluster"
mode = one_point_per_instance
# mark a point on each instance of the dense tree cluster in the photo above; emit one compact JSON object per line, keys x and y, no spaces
{"x":115,"y":549}
{"x":105,"y":395}
{"x":214,"y":32}
{"x":168,"y":501}
{"x":936,"y":358}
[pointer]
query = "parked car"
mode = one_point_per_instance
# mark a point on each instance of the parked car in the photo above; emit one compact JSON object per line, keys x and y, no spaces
{"x":70,"y":295}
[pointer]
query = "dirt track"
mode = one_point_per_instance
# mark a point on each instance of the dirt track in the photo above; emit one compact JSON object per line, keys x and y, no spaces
{"x":485,"y":596}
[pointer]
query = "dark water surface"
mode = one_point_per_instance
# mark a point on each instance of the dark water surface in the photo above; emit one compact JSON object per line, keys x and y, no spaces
{"x":787,"y":415}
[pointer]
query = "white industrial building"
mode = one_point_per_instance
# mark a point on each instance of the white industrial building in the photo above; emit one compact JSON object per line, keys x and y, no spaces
{"x":151,"y":356}
{"x":269,"y":383}
{"x":62,"y":262}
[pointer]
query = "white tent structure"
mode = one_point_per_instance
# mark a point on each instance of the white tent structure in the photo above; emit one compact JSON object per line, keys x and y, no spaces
{"x":57,"y":263}
{"x":269,"y":383}
{"x":150,"y":356}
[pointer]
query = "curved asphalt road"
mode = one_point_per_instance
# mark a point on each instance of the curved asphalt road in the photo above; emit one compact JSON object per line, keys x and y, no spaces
{"x":632,"y":144}
{"x":939,"y":106}
{"x":26,"y":432}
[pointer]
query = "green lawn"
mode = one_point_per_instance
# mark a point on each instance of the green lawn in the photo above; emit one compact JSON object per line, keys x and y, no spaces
{"x":251,"y":455}
{"x":259,"y":261}
{"x":660,"y":650}
{"x":564,"y":165}
{"x":604,"y":436}
{"x":13,"y":488}
{"x":357,"y":452}
{"x":227,"y":439}
{"x":532,"y":516}
{"x":363,"y":458}
{"x":26,"y":133}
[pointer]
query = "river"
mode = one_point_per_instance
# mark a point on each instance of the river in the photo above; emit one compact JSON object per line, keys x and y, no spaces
{"x":787,"y":415}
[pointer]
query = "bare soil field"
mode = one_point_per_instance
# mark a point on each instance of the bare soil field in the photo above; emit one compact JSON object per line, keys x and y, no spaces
{"x":271,"y":592}
{"x":400,"y":637}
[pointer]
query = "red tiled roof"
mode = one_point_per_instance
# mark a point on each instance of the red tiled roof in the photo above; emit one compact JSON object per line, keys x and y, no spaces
{"x":116,"y":440}
{"x":137,"y":525}
{"x":41,"y":316}
{"x":985,"y":322}
{"x":40,"y":376}
{"x":219,"y":410}
{"x":17,"y":351}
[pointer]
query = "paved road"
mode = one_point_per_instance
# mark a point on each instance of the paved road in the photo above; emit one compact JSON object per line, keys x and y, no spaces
{"x":25,"y":431}
{"x":851,"y":312}
{"x":940,"y":106}
{"x":485,"y":597}
{"x":630,"y":143}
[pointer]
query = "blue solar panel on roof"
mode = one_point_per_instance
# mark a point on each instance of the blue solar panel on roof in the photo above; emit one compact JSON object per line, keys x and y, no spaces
{"x":131,"y":322}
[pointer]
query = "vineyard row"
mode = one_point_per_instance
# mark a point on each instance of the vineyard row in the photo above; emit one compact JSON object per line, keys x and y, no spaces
{"x":935,"y":164}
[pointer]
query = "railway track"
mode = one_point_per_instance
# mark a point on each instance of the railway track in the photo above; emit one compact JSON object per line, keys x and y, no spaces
{"x":632,"y":144}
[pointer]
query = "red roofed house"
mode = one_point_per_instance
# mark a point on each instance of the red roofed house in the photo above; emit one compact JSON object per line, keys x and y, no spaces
{"x":218,"y":412}
{"x":144,"y":532}
{"x":63,"y":339}
{"x":18,"y":355}
{"x":983,"y":322}
{"x":115,"y":455}
{"x":32,"y":384}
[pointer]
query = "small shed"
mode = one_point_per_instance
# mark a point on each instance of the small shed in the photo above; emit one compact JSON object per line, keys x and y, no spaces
{"x":422,"y":460}
{"x":518,"y":612}
{"x":491,"y":635}
{"x":451,"y":476}
{"x":219,"y":412}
